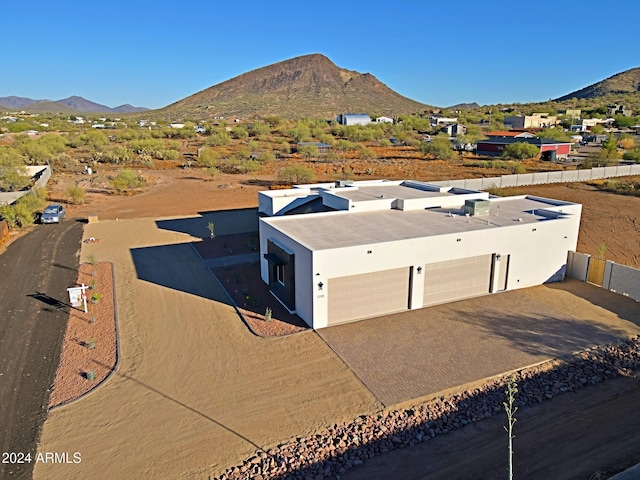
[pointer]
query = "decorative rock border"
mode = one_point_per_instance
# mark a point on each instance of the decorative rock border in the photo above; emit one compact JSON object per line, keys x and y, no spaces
{"x":70,"y":385}
{"x":341,"y":447}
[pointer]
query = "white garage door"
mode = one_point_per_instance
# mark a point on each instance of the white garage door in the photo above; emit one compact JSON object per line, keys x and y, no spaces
{"x":367,"y":295}
{"x":456,"y":279}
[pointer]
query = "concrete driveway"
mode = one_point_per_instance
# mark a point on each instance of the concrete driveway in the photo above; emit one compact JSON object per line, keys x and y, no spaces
{"x":415,"y":354}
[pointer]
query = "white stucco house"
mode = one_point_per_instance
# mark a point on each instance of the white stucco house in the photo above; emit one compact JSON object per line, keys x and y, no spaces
{"x":339,"y":252}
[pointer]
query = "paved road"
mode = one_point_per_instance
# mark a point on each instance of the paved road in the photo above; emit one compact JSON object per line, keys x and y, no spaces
{"x":35,"y":272}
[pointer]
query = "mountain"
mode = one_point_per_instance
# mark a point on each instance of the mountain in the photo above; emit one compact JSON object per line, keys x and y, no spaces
{"x":464,"y":106}
{"x":15,"y":103}
{"x":621,"y":83}
{"x":126,"y":108}
{"x":72,"y":104}
{"x":306,"y":86}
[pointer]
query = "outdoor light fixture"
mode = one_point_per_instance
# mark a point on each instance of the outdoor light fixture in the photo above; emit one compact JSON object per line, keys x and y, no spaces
{"x":419,"y":270}
{"x":320,"y":285}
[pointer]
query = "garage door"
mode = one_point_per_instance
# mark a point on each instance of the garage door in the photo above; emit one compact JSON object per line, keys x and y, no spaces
{"x":456,"y":279}
{"x":367,"y":295}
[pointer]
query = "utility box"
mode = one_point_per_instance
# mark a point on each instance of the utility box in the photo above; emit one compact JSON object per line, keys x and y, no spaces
{"x":477,"y":207}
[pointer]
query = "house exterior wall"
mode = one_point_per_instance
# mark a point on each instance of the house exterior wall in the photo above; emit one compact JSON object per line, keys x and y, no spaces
{"x":537,"y":254}
{"x":302,"y":273}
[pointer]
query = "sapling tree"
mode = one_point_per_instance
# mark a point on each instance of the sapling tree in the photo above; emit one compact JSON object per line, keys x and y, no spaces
{"x":511,"y":409}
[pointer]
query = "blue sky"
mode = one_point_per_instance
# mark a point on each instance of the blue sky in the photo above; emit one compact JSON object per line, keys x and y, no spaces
{"x":153,"y":53}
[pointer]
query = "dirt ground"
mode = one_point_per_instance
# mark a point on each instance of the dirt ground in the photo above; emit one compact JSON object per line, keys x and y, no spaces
{"x":196,"y":391}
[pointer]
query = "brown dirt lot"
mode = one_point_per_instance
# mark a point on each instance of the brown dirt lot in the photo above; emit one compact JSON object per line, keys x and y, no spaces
{"x":197,"y":392}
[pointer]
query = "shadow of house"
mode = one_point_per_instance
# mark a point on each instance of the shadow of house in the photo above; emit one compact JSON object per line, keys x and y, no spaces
{"x":226,"y":222}
{"x":178,"y":268}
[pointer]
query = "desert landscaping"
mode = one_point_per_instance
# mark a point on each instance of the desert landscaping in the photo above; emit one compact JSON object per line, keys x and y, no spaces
{"x":196,"y":391}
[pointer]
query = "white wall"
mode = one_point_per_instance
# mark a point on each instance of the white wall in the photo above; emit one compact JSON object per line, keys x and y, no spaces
{"x":535,"y":256}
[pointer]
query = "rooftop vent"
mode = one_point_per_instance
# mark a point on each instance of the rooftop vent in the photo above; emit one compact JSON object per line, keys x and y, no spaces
{"x":476,"y":207}
{"x":344,"y":183}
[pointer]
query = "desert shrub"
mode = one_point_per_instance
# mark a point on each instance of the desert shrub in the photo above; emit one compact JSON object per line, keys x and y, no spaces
{"x":239,"y":132}
{"x":296,"y":174}
{"x":125,"y":180}
{"x":365,"y":152}
{"x":250,"y":166}
{"x":258,"y":129}
{"x":13,"y":179}
{"x":626,"y":141}
{"x":520,"y":151}
{"x":265,"y":157}
{"x":23,"y":211}
{"x":94,"y":139}
{"x":10,"y":157}
{"x":633,"y":154}
{"x":218,"y":138}
{"x":208,"y":157}
{"x":76,"y":193}
{"x":438,"y":148}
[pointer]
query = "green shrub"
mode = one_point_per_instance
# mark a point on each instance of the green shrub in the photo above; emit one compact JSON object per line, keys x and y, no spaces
{"x":125,"y":180}
{"x":77,"y":194}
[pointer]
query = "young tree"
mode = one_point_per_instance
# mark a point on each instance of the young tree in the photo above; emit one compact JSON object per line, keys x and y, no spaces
{"x":511,"y":409}
{"x":610,"y":147}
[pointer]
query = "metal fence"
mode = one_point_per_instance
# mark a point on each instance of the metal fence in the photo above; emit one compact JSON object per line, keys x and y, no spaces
{"x":539,"y":178}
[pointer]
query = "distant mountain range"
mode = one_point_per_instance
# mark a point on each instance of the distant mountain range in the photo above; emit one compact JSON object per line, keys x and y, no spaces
{"x":67,"y":105}
{"x":306,"y":86}
{"x":621,"y":83}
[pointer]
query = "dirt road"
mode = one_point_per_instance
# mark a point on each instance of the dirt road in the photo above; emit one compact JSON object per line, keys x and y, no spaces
{"x":589,"y":434}
{"x":35,"y":272}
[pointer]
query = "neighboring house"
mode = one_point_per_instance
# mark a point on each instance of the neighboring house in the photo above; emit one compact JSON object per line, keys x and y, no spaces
{"x":549,"y":149}
{"x":615,"y":109}
{"x":384,"y":120}
{"x":585,"y":124}
{"x":435,"y":120}
{"x":380,"y":247}
{"x":509,"y":134}
{"x":348,"y":119}
{"x":322,"y":147}
{"x":97,"y":125}
{"x":455,"y":129}
{"x":537,"y":120}
{"x":176,"y":125}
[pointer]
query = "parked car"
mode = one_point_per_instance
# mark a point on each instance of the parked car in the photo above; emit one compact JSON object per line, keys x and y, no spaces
{"x":53,"y":214}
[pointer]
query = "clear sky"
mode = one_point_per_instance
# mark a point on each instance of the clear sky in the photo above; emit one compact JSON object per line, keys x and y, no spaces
{"x":153,"y":53}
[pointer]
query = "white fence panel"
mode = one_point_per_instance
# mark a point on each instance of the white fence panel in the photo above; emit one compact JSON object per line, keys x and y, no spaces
{"x":597,"y":173}
{"x":540,"y":178}
{"x":526,"y":179}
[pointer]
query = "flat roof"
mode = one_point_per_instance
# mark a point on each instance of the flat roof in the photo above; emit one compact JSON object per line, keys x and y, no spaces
{"x":325,"y":231}
{"x":376,"y":192}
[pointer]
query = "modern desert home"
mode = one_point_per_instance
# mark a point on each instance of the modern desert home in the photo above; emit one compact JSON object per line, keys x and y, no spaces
{"x":345,"y":251}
